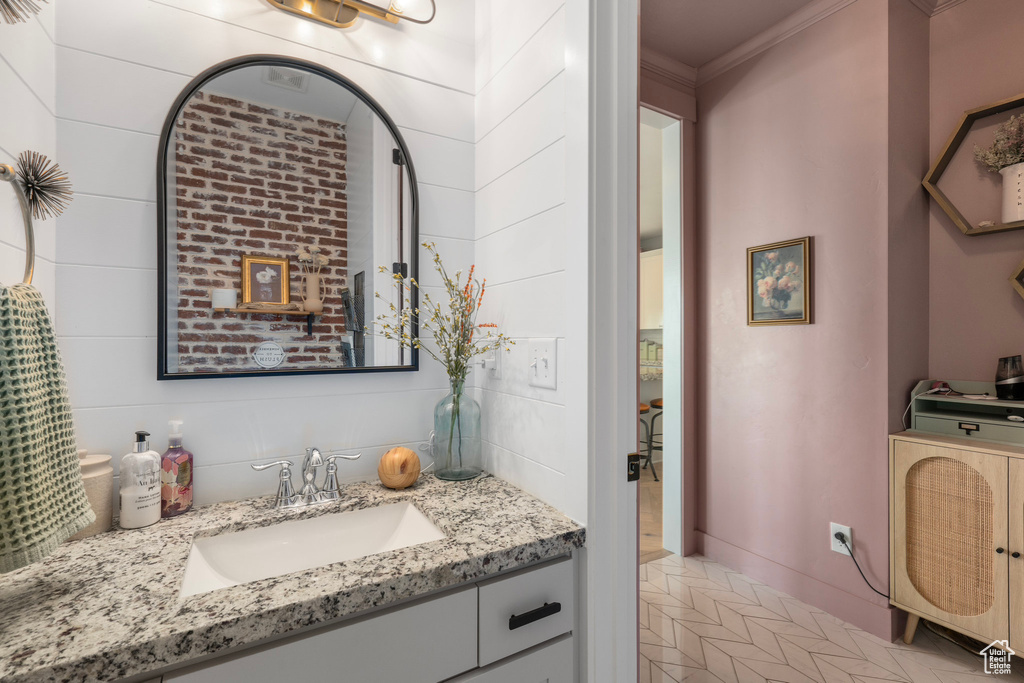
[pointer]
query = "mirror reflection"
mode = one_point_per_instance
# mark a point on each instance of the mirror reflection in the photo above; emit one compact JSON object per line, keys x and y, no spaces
{"x":285,"y":188}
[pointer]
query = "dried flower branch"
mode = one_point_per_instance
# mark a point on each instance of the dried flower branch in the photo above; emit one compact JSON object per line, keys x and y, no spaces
{"x":14,"y":11}
{"x":46,"y":185}
{"x":458,"y":338}
{"x":312,"y":260}
{"x":1007,"y":148}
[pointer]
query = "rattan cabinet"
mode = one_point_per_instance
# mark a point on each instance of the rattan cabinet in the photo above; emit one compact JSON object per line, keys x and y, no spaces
{"x":950,"y":519}
{"x":957,"y":534}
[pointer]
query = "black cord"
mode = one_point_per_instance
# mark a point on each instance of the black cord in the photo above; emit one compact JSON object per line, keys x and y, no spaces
{"x":841,"y":537}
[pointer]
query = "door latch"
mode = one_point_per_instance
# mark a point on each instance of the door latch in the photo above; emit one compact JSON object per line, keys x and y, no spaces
{"x":633,"y":467}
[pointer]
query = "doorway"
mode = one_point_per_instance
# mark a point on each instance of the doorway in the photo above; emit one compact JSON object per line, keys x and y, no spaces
{"x":660,"y":334}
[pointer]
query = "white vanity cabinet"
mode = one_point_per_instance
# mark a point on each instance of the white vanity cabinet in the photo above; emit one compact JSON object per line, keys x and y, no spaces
{"x":516,"y":627}
{"x":549,"y":663}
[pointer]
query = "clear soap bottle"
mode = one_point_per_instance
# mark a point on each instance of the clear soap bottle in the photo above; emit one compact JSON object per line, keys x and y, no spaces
{"x":175,"y":475}
{"x":140,"y":485}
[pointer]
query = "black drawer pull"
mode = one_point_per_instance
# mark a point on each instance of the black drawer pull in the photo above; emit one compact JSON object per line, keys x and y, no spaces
{"x":1000,"y":551}
{"x":547,"y":610}
{"x":969,"y":427}
{"x":1015,"y":555}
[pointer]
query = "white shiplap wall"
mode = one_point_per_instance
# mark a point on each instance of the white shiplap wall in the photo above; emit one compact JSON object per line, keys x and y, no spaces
{"x":27,"y":122}
{"x":492,"y":100}
{"x":119,"y":66}
{"x":525,"y":244}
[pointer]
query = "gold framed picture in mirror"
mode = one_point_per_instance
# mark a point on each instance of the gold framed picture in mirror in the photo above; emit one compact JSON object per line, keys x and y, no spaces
{"x":266,"y":280}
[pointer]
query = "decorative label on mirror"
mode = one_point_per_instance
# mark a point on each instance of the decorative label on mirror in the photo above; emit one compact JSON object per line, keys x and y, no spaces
{"x":286,"y":184}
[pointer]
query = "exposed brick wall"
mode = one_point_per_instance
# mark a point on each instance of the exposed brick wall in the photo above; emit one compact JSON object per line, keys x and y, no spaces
{"x":266,"y":182}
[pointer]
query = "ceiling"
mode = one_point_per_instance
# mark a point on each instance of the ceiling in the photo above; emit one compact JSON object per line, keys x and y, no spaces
{"x":695,"y":32}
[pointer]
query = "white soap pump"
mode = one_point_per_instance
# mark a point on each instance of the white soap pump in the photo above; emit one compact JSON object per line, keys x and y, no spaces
{"x":140,"y":485}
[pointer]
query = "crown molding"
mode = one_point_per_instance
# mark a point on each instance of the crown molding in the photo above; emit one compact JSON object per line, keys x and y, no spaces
{"x":933,"y":7}
{"x":788,"y":27}
{"x":666,"y":67}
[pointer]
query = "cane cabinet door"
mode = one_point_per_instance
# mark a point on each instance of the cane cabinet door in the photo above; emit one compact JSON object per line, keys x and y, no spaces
{"x":1016,"y":549}
{"x":950,"y":526}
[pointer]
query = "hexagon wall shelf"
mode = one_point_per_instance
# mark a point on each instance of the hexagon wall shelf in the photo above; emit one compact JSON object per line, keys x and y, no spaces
{"x":931,"y":181}
{"x":1018,"y":279}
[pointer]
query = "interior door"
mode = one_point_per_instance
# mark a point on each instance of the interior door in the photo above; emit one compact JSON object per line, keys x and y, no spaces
{"x":951,"y":536}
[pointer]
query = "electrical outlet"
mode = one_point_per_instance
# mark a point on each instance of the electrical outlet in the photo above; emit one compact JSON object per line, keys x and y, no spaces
{"x":836,"y":545}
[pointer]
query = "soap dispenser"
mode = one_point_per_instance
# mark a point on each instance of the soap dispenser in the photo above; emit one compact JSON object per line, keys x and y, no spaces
{"x":140,"y":485}
{"x":175,"y":475}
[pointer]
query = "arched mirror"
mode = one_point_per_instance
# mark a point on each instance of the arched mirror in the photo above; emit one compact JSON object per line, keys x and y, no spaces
{"x":282,"y":190}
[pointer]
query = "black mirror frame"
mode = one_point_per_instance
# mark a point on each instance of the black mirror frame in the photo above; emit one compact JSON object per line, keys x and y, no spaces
{"x":161,"y":207}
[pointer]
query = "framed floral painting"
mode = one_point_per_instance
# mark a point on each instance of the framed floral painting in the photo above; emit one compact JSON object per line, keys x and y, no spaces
{"x":779,"y":283}
{"x":265,"y":280}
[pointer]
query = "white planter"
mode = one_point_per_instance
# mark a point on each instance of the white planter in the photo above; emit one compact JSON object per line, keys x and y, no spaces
{"x":1013,"y":192}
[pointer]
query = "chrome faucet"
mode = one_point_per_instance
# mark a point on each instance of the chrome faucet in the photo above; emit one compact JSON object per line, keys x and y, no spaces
{"x":310,"y":493}
{"x":286,"y":497}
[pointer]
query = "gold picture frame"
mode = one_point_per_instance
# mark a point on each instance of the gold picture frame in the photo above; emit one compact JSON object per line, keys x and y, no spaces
{"x":276,"y":290}
{"x":780,"y":283}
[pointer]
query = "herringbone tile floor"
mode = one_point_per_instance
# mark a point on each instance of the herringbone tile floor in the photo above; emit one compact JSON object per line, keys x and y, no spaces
{"x":703,"y":623}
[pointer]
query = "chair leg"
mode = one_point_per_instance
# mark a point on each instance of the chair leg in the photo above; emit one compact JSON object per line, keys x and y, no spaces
{"x":647,"y":438}
{"x":650,"y":445}
{"x":654,"y":423}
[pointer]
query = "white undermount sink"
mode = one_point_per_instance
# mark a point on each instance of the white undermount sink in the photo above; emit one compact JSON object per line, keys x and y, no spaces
{"x":265,"y":552}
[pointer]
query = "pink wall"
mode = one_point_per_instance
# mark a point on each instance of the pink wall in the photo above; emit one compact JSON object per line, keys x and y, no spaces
{"x":976,"y":317}
{"x":793,"y":419}
{"x":908,"y":205}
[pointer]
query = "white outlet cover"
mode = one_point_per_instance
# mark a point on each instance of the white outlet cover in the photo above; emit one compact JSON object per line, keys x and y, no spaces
{"x":836,"y":545}
{"x":543,"y":363}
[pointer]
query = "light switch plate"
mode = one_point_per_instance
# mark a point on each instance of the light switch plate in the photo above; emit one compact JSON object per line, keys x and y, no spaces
{"x":543,"y":363}
{"x":492,"y":363}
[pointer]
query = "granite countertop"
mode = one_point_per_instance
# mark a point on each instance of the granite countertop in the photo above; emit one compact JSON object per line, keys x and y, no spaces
{"x":107,"y":607}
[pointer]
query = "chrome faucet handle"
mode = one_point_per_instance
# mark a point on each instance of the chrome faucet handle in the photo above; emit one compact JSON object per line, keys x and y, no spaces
{"x":285,"y":493}
{"x":343,"y":456}
{"x":310,"y":493}
{"x":330,"y":490}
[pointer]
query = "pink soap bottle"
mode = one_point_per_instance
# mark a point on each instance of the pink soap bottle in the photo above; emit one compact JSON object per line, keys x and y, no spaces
{"x":175,"y":476}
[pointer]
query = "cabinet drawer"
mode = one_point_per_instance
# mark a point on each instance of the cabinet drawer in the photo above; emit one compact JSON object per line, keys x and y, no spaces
{"x":549,"y":663}
{"x":394,"y":646}
{"x":513,"y":615}
{"x":984,"y":431}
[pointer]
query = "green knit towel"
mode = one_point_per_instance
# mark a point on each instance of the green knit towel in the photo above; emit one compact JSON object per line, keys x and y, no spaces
{"x":42,"y":500}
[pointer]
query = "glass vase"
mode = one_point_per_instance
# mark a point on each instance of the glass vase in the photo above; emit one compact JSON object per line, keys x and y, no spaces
{"x":457,"y":446}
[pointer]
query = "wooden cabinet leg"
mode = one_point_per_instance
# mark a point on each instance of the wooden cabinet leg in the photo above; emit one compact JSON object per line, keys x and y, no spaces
{"x":912,"y":621}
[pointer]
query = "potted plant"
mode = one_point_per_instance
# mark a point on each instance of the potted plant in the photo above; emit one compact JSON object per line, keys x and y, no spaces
{"x":1006,"y":157}
{"x":456,"y":444}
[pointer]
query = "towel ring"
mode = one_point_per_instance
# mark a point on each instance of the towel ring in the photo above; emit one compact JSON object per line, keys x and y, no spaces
{"x":7,"y":173}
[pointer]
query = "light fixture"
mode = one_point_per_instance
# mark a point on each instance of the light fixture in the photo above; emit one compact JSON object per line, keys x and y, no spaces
{"x":343,"y":13}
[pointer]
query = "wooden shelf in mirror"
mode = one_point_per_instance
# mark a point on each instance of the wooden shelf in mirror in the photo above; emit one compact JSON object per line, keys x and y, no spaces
{"x":287,"y":312}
